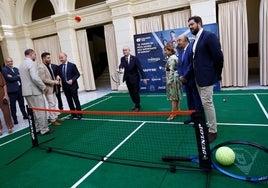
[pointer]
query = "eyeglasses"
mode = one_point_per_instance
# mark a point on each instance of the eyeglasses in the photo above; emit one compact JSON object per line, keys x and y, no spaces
{"x":10,"y":61}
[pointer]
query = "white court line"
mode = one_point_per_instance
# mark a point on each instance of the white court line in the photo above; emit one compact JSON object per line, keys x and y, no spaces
{"x":262,"y":107}
{"x":105,"y":158}
{"x":63,"y":117}
{"x":14,"y":139}
{"x":97,"y":102}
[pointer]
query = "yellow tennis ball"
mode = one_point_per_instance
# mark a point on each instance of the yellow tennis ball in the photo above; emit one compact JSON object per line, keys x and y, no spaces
{"x":225,"y":156}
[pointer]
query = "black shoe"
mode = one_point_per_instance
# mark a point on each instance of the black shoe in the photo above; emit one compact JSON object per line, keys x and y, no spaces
{"x":212,"y":137}
{"x":16,"y":122}
{"x":48,"y":132}
{"x":73,"y":116}
{"x":188,"y":121}
{"x":79,"y":116}
{"x":25,"y":117}
{"x":136,"y":110}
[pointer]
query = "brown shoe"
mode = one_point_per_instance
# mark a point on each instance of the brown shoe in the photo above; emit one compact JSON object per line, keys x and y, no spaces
{"x":59,"y":120}
{"x":212,"y":137}
{"x":55,"y":123}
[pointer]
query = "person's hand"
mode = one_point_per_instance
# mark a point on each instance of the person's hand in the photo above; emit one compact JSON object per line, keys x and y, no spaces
{"x":182,"y":79}
{"x":70,"y":82}
{"x":145,"y":81}
{"x":45,"y":90}
{"x":57,"y":82}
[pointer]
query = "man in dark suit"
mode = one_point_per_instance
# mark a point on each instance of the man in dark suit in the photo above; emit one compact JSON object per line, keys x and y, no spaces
{"x":69,"y":74}
{"x":187,"y":78}
{"x":132,"y":71}
{"x":12,"y":77}
{"x":208,"y":64}
{"x":55,"y":69}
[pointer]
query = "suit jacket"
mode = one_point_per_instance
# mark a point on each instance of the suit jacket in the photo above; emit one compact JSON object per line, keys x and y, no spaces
{"x":55,"y":69}
{"x":30,"y":80}
{"x":72,"y":73}
{"x":185,"y":67}
{"x":133,"y":69}
{"x":14,"y":82}
{"x":208,"y":59}
{"x":46,"y":77}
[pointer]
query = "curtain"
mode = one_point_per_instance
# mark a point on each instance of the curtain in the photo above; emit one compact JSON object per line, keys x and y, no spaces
{"x":48,"y":44}
{"x":263,"y":43}
{"x":150,"y":24}
{"x":177,"y":19}
{"x":86,"y":64}
{"x":111,"y":52}
{"x":234,"y":39}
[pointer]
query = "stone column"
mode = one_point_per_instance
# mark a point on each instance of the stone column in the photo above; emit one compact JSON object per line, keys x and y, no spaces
{"x":124,"y":27}
{"x":65,"y":25}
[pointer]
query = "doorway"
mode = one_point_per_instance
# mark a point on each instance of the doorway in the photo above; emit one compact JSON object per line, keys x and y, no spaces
{"x":98,"y":53}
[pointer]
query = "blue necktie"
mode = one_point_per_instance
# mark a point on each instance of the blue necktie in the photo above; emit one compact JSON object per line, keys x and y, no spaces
{"x":64,"y":73}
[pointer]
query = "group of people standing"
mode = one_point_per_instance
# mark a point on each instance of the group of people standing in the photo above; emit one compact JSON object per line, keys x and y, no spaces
{"x":197,"y":68}
{"x":33,"y":81}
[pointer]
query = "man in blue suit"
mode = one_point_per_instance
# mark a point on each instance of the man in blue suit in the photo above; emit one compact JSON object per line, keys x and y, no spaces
{"x":69,"y":74}
{"x":208,"y":64}
{"x":132,"y":72}
{"x":12,"y":77}
{"x":55,"y":69}
{"x":187,"y":78}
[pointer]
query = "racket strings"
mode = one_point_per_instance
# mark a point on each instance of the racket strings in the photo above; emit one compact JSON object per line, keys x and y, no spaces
{"x":250,"y":161}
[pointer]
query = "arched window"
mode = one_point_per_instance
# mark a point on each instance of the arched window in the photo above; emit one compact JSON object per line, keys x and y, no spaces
{"x":42,"y":9}
{"x":83,"y":3}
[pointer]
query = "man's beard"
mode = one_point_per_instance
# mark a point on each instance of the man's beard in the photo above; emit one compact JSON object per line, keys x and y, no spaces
{"x":194,"y":31}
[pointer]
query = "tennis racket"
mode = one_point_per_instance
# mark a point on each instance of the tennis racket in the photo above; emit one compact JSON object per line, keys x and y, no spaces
{"x":116,"y":76}
{"x":251,"y":161}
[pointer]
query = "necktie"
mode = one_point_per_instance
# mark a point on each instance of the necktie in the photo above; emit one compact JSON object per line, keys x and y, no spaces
{"x":64,"y":73}
{"x":127,"y":60}
{"x":182,"y":58}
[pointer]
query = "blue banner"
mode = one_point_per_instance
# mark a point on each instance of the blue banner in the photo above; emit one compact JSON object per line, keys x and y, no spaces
{"x":149,"y":48}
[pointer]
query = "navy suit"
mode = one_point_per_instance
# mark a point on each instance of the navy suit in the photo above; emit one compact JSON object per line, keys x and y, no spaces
{"x":132,"y":73}
{"x":55,"y":69}
{"x":208,"y":63}
{"x":70,"y":91}
{"x":14,"y":91}
{"x":208,"y":59}
{"x":185,"y":69}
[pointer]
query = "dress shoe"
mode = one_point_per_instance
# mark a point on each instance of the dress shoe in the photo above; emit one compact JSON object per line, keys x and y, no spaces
{"x":55,"y":123}
{"x":59,"y":120}
{"x":188,"y":121}
{"x":16,"y":122}
{"x":212,"y":137}
{"x":79,"y":116}
{"x":25,"y":117}
{"x":10,"y":130}
{"x":48,"y":132}
{"x":136,"y":110}
{"x":73,"y":116}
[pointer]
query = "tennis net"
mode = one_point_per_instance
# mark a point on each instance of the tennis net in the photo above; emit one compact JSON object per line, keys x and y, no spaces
{"x":131,"y":138}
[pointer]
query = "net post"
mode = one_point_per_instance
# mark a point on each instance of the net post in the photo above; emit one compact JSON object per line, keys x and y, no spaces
{"x":201,"y":132}
{"x":32,"y":127}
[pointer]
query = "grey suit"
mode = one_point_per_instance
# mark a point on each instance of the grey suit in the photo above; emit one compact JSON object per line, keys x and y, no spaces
{"x":32,"y":90}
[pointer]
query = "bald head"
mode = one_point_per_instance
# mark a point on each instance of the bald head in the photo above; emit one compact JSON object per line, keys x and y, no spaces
{"x":182,"y":41}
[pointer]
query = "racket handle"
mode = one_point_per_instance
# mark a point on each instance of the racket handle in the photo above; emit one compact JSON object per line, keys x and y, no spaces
{"x":175,"y":158}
